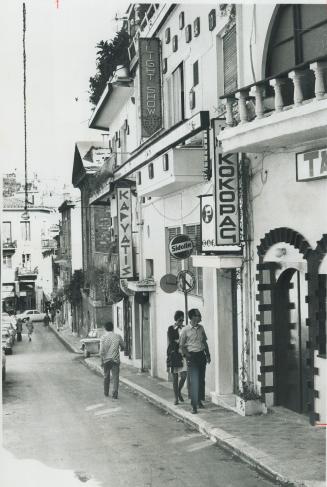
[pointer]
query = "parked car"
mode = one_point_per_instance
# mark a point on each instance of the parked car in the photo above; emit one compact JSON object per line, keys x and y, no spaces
{"x":9,"y":327}
{"x":6,"y":341}
{"x":3,"y":365}
{"x":32,"y":314}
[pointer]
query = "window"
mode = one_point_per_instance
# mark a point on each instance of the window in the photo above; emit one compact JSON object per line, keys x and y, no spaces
{"x":26,"y":260}
{"x":174,"y":265}
{"x":297,"y":37}
{"x":196,"y":73}
{"x":151,"y":171}
{"x":165,"y":162}
{"x":148,"y":267}
{"x":188,"y":33}
{"x":25,"y":230}
{"x":181,"y":20}
{"x":139,"y":177}
{"x":174,"y":97}
{"x":193,"y":231}
{"x":196,"y":27}
{"x":6,"y":231}
{"x":7,"y":262}
{"x":230,"y":60}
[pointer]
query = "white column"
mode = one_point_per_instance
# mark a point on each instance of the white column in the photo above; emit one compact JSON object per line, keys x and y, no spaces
{"x":296,"y":76}
{"x":228,"y":102}
{"x":242,"y":96}
{"x":319,"y":69}
{"x":257,"y":92}
{"x":276,"y":83}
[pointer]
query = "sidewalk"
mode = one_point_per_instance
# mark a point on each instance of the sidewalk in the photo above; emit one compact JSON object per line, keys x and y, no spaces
{"x":280,"y":444}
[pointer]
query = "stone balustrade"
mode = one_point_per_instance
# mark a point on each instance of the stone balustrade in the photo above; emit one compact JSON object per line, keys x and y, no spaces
{"x":307,"y":82}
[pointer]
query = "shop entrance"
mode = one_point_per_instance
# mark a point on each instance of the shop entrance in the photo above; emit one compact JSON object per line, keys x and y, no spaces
{"x":291,"y":337}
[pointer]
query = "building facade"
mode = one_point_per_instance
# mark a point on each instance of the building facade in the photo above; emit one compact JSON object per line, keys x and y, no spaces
{"x":223,"y":140}
{"x":27,"y":250}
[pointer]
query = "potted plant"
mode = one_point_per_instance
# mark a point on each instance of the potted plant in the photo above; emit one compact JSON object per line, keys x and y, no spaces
{"x":248,"y":401}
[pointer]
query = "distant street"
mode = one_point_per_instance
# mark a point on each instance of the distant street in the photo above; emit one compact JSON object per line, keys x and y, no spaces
{"x":54,"y":412}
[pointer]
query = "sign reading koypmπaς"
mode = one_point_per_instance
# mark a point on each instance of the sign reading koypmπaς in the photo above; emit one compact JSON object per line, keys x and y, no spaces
{"x":124,"y":210}
{"x":150,"y":85}
{"x":227,"y":200}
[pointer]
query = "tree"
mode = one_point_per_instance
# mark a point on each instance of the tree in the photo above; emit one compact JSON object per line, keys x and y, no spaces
{"x":109,"y":55}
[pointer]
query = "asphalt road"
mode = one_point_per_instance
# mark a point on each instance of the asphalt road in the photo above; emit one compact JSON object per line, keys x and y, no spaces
{"x":54,"y":412}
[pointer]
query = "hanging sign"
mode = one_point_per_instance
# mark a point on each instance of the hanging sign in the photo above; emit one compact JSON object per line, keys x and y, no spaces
{"x":226,"y":200}
{"x":168,"y":283}
{"x":150,"y":86}
{"x":124,"y":210}
{"x":180,"y":246}
{"x":311,"y":165}
{"x":208,"y":228}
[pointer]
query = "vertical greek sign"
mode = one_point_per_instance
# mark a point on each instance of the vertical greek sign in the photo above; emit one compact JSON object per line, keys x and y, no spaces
{"x":150,"y":86}
{"x":227,"y":204}
{"x":124,"y":208}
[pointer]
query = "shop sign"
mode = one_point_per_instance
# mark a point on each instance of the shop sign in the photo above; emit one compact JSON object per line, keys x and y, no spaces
{"x":311,"y":165}
{"x":208,"y":228}
{"x":150,"y":86}
{"x":124,"y":210}
{"x":226,"y":200}
{"x":180,"y":246}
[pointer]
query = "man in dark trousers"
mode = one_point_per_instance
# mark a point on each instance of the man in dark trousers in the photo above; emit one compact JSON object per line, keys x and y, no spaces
{"x":193,"y":343}
{"x":110,"y":345}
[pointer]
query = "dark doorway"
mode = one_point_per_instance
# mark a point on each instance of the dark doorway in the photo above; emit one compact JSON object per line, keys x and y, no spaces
{"x":290,"y":336}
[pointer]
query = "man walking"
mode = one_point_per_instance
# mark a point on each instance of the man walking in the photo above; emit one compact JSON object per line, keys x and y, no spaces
{"x":109,"y":352}
{"x":193,"y":343}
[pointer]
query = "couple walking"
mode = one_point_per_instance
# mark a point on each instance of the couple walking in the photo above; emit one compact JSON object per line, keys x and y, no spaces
{"x":188,"y":344}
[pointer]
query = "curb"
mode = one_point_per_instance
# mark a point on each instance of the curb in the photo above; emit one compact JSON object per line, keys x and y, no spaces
{"x":250,"y":455}
{"x":262,"y":463}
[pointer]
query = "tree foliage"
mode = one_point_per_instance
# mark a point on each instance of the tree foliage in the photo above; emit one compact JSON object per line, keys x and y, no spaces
{"x":109,"y":55}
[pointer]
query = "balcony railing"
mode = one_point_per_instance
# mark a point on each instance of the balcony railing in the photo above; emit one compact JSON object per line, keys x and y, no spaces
{"x":147,"y":21}
{"x":27,"y":271}
{"x":48,"y":244}
{"x":300,"y":85}
{"x":9,"y":244}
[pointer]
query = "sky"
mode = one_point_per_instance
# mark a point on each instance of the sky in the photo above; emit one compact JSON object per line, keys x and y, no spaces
{"x":60,"y":58}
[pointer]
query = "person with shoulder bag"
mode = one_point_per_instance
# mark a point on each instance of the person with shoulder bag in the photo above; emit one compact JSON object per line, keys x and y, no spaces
{"x":175,"y":360}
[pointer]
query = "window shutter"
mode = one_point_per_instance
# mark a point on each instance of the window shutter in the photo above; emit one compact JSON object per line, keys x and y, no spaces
{"x":230,"y":60}
{"x":175,"y":265}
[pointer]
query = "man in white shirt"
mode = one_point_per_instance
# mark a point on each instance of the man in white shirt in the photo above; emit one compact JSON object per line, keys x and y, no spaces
{"x":193,"y":342}
{"x":110,"y":344}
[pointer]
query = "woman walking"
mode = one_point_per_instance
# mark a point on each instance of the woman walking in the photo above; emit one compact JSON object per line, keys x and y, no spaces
{"x":30,"y":329}
{"x":175,"y":361}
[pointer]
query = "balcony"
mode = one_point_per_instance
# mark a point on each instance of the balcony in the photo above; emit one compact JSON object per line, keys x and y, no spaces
{"x":27,"y":272}
{"x":175,"y":170}
{"x":287,"y":110}
{"x":142,"y":27}
{"x":9,"y":245}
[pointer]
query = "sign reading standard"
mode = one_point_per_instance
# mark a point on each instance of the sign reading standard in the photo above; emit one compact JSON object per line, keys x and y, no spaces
{"x":150,"y":86}
{"x":124,"y":208}
{"x":227,"y":211}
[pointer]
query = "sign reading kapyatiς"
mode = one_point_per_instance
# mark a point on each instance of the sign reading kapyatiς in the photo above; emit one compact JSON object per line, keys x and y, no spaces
{"x":124,"y":210}
{"x":227,"y":204}
{"x":181,"y":246}
{"x":150,"y":85}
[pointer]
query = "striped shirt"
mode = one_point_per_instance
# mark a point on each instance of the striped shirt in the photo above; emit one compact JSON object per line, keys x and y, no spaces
{"x":109,"y":347}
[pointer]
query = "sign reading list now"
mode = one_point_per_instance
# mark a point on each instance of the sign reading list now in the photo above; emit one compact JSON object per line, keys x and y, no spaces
{"x":150,"y":86}
{"x":311,"y":165}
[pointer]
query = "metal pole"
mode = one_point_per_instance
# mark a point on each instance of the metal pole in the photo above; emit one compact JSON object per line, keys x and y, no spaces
{"x":186,"y":311}
{"x":142,"y":339}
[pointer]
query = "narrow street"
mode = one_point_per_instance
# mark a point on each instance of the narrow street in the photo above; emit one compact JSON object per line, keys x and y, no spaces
{"x":54,"y":412}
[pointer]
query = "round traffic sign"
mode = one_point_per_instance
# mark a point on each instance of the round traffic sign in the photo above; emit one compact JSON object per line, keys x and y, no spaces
{"x":185,"y":281}
{"x":168,"y":283}
{"x":180,"y":246}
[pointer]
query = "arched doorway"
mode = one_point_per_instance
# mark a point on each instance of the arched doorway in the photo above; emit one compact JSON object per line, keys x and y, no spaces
{"x":291,"y":338}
